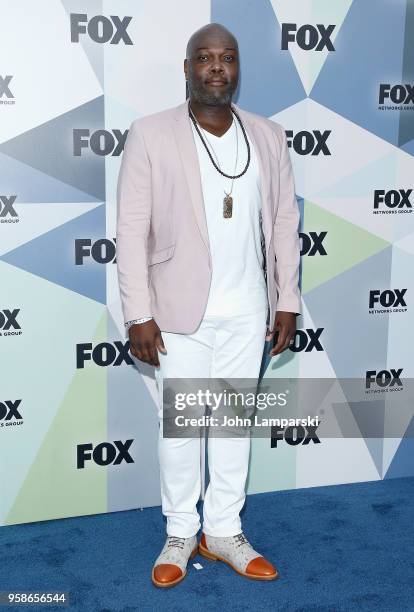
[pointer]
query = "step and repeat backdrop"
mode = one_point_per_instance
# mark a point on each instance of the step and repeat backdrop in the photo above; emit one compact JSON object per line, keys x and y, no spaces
{"x":78,"y":424}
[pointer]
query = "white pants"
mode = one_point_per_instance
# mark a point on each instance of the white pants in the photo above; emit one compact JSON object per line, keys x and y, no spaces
{"x":221,"y":347}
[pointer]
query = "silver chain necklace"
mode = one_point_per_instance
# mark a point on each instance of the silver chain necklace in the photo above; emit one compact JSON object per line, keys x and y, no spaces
{"x":228,"y":199}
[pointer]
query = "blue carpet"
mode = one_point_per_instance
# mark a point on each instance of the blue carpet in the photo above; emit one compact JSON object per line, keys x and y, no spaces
{"x":344,"y":547}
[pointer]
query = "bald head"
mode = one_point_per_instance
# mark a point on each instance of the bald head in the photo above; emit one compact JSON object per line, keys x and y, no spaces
{"x":210,"y":35}
{"x":212,"y":65}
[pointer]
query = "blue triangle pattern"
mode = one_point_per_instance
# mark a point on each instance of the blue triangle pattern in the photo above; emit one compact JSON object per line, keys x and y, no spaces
{"x":274,"y":82}
{"x":34,"y":186}
{"x":55,"y":139}
{"x":52,"y":256}
{"x":349,"y":79}
{"x":403,"y":460}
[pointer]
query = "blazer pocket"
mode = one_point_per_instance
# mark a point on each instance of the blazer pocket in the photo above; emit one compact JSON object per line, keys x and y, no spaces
{"x":161,"y":255}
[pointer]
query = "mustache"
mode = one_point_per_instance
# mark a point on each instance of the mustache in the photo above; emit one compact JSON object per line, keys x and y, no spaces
{"x":225,"y":81}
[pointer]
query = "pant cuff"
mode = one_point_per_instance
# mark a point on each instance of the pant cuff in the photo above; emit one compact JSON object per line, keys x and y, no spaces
{"x":222,"y":534}
{"x":177,"y":533}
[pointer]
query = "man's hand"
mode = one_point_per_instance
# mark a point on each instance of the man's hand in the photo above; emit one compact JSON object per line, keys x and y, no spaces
{"x":145,"y":339}
{"x":285,"y":324}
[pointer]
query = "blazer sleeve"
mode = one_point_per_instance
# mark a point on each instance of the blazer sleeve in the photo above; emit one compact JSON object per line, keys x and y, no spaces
{"x":134,"y":198}
{"x":286,"y":235}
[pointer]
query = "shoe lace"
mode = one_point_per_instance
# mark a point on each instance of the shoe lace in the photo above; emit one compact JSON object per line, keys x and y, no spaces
{"x":240,"y":539}
{"x":175,"y":541}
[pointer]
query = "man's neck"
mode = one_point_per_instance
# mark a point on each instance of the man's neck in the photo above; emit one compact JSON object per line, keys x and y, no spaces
{"x":214,"y":119}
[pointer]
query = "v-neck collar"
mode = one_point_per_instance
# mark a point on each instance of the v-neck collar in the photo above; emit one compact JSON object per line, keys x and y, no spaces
{"x":218,"y":138}
{"x":226,"y":133}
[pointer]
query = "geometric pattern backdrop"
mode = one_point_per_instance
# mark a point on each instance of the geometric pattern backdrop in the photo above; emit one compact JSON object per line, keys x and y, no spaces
{"x":78,"y":420}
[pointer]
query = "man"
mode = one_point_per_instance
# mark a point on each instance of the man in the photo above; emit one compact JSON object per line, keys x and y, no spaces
{"x":207,"y":247}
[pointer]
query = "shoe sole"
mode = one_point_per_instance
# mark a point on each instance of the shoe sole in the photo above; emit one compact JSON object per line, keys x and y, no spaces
{"x":166,"y":585}
{"x":209,"y":555}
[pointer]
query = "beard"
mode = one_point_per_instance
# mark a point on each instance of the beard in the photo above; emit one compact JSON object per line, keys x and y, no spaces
{"x":210,"y":98}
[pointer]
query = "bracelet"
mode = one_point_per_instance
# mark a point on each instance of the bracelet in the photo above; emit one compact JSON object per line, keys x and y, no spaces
{"x":129,"y":324}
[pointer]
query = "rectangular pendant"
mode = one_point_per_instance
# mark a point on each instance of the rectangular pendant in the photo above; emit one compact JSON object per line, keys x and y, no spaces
{"x":227,"y":207}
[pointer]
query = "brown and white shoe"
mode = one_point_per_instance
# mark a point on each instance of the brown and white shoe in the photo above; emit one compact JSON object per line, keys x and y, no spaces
{"x":239,"y":554}
{"x":171,"y":565}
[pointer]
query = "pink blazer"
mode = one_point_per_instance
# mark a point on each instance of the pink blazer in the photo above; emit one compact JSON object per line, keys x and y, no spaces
{"x":163,"y":251}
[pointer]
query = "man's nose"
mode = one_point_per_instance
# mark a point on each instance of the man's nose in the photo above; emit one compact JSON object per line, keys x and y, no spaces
{"x":217,"y":66}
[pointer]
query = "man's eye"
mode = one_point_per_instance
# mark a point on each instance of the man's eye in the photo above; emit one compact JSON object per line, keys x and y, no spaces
{"x":202,"y":56}
{"x":230,"y":57}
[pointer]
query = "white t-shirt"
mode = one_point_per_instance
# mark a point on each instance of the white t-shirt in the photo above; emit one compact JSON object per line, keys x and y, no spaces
{"x":238,"y":284}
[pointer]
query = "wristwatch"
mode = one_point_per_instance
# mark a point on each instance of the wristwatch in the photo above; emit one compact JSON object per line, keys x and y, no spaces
{"x":128,"y":324}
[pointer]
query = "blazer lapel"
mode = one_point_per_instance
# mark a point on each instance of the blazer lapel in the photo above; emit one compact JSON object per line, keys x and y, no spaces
{"x":189,"y":158}
{"x":260,"y":146}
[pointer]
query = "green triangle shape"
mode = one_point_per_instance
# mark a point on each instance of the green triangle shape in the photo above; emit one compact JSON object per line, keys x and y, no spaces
{"x":281,"y":462}
{"x":54,"y":487}
{"x":346,"y":245}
